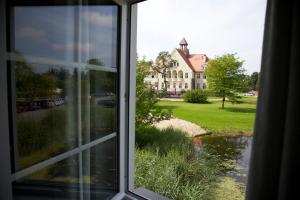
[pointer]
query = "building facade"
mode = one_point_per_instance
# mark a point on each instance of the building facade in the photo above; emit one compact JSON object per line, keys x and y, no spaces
{"x":187,"y":72}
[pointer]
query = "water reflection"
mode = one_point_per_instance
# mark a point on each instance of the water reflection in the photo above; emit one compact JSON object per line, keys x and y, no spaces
{"x":233,"y":149}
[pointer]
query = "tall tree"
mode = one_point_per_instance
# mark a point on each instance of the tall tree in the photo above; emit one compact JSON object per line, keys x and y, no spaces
{"x":162,"y":63}
{"x":254,"y":81}
{"x":145,"y":97}
{"x":225,"y":76}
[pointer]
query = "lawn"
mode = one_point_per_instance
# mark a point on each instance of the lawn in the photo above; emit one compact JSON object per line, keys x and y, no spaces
{"x":234,"y":119}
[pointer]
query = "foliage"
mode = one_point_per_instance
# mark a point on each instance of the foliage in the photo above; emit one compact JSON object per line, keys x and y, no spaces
{"x":32,"y":85}
{"x":195,"y":96}
{"x":254,"y":81}
{"x":149,"y":137}
{"x":225,"y":77}
{"x":163,"y":63}
{"x":214,"y":119}
{"x":146,"y":98}
{"x":167,"y":164}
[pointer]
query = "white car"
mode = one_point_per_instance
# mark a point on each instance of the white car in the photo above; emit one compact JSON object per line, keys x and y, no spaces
{"x":249,"y":94}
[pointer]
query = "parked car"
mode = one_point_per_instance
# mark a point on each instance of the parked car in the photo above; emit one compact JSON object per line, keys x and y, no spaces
{"x":249,"y":94}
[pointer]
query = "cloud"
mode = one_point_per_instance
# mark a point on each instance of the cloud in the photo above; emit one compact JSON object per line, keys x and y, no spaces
{"x":83,"y":48}
{"x":95,"y":18}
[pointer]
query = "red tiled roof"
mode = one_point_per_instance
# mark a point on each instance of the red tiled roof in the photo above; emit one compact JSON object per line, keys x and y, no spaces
{"x":194,"y":61}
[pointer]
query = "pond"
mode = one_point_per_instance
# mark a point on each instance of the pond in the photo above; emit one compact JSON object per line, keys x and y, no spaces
{"x":231,"y":149}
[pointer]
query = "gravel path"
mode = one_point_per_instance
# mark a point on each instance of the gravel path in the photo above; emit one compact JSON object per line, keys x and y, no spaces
{"x":190,"y":128}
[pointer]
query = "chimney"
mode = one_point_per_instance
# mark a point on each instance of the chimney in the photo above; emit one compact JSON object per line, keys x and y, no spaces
{"x":183,"y":47}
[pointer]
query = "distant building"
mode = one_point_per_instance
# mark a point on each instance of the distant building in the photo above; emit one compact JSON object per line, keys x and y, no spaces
{"x":186,"y":74}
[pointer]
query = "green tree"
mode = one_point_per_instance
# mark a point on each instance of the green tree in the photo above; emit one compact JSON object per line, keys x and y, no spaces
{"x":162,"y":63}
{"x":254,"y":81}
{"x":226,"y":77}
{"x":30,"y":84}
{"x":145,"y":96}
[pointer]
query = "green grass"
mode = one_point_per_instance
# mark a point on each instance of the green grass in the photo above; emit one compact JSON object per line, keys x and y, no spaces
{"x":234,"y":119}
{"x":167,"y":163}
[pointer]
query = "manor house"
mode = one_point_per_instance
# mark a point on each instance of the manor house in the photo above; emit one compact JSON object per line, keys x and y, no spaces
{"x":187,"y":72}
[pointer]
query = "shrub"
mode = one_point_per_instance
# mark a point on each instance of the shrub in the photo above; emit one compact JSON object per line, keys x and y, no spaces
{"x":163,"y":141}
{"x":195,"y":96}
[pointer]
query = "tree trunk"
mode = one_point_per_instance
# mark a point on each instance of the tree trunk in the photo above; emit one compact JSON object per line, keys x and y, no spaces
{"x":165,"y":81}
{"x":223,"y":102}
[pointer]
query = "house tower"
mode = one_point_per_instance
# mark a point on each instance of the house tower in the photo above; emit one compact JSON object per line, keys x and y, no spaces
{"x":183,"y":47}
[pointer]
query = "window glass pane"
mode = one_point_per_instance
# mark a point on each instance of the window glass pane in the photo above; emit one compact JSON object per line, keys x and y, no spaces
{"x":46,"y":107}
{"x":45,"y":31}
{"x":57,"y":181}
{"x":99,"y":104}
{"x":100,"y":171}
{"x":55,"y":32}
{"x":99,"y":35}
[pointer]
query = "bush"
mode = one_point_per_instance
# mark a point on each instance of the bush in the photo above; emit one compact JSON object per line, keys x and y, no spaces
{"x":162,"y":141}
{"x":195,"y":96}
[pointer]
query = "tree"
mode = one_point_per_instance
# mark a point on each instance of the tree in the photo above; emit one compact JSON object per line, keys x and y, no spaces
{"x":146,"y":98}
{"x":225,"y":76}
{"x":254,"y":81}
{"x":163,"y":62}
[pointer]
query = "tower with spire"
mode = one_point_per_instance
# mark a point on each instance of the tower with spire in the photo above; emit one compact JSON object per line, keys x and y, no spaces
{"x":183,"y":47}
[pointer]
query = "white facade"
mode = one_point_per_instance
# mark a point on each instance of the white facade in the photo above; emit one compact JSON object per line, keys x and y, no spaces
{"x":182,"y":76}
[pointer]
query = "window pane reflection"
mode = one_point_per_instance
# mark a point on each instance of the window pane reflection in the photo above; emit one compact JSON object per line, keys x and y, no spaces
{"x":57,"y":181}
{"x":46,"y":107}
{"x":100,"y":104}
{"x":69,"y":33}
{"x":100,"y":171}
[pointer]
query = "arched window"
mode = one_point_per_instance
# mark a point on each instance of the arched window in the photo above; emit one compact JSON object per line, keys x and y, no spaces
{"x":168,"y":74}
{"x":174,"y":74}
{"x":180,"y":74}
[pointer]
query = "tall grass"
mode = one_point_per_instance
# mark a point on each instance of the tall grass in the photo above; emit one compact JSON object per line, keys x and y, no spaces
{"x":167,"y":164}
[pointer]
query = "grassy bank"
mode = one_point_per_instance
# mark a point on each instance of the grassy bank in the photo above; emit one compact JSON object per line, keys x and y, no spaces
{"x":234,"y":119}
{"x":167,"y":163}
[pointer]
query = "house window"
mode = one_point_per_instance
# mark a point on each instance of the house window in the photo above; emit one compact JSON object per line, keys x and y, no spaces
{"x":186,"y":85}
{"x":64,"y":98}
{"x":180,"y":85}
{"x":198,"y":75}
{"x":186,"y":75}
{"x":168,"y":74}
{"x":180,"y":73}
{"x":168,"y":85}
{"x":174,"y":85}
{"x":204,"y":85}
{"x":174,"y":74}
{"x":162,"y":85}
{"x":204,"y":76}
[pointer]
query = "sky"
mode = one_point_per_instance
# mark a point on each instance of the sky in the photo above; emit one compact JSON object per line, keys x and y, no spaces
{"x":212,"y":27}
